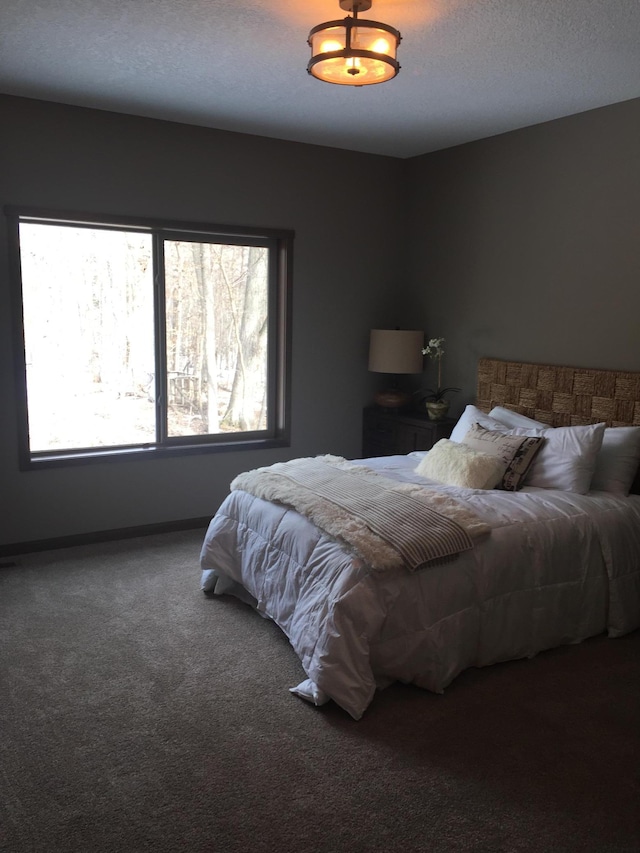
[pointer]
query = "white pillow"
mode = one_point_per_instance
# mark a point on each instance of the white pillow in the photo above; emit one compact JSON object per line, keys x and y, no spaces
{"x":458,"y":465}
{"x":618,"y":460}
{"x":515,"y":420}
{"x":567,"y":459}
{"x":472,"y":415}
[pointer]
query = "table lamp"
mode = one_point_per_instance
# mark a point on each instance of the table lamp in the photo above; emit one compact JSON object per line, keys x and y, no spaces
{"x":395,"y":351}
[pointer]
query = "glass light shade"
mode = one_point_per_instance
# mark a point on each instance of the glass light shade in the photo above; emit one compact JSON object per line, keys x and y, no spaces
{"x":353,"y":52}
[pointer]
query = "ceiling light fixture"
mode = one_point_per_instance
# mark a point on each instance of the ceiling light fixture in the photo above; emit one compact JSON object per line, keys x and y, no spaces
{"x":354,"y":52}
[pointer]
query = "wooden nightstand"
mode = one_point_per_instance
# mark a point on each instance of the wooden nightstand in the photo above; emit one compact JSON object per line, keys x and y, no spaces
{"x":385,"y":432}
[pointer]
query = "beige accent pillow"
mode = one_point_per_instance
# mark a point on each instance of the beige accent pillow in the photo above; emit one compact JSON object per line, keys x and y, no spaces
{"x":458,"y":465}
{"x":515,"y":451}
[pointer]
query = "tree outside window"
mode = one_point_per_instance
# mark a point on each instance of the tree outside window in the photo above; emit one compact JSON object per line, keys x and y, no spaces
{"x":149,"y":336}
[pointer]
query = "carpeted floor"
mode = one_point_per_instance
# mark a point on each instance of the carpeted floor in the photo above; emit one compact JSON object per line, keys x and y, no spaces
{"x":138,"y":715}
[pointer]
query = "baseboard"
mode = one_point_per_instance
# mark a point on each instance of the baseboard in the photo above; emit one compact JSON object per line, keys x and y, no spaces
{"x":101,"y":536}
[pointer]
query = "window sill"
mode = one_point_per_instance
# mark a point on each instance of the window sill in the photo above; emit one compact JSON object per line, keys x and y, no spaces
{"x":150,"y":451}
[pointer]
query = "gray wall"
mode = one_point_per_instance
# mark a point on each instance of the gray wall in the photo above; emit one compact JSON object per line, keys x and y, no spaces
{"x":347,"y":276}
{"x":526,"y":246}
{"x":523,"y":246}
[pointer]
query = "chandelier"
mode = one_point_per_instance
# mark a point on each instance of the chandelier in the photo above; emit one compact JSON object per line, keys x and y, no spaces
{"x":353,"y":52}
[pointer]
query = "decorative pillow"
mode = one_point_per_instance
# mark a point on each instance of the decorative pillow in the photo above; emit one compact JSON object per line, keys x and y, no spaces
{"x":516,"y":451}
{"x":567,"y":459}
{"x":618,"y":460}
{"x":514,"y":420}
{"x":458,"y":465}
{"x":473,"y":415}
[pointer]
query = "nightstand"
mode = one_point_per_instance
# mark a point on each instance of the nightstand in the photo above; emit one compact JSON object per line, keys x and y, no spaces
{"x":386,"y":432}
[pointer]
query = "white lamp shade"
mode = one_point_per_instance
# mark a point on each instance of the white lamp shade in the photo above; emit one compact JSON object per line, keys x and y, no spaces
{"x":395,"y":351}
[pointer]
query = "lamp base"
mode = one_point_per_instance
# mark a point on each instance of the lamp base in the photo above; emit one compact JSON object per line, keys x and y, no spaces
{"x":392,"y":398}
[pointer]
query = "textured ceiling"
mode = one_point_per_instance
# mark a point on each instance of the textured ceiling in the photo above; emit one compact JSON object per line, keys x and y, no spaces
{"x":470,"y":68}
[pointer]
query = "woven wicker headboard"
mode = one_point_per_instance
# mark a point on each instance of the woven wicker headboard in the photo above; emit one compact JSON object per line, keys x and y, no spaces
{"x":560,"y":396}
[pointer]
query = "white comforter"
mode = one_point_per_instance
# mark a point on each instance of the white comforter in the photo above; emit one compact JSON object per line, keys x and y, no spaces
{"x":557,"y":568}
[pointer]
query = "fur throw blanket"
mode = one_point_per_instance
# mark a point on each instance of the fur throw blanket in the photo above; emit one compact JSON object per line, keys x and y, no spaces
{"x":388,"y":524}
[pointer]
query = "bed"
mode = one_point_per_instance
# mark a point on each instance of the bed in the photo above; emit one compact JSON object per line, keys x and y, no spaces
{"x":547,"y":554}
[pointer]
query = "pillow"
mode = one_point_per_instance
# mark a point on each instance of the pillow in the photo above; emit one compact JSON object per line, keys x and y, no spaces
{"x":567,"y":459}
{"x":472,"y":415}
{"x":516,"y":451}
{"x":515,"y":420}
{"x":618,"y":460}
{"x":458,"y":465}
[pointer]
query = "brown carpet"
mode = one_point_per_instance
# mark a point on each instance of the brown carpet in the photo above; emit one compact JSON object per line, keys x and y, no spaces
{"x":138,"y":715}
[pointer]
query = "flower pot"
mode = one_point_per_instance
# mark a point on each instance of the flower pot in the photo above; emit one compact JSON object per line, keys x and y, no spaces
{"x":437,"y":410}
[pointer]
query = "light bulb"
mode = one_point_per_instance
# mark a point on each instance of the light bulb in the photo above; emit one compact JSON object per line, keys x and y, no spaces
{"x":354,"y":67}
{"x":381,"y":46}
{"x":328,"y":46}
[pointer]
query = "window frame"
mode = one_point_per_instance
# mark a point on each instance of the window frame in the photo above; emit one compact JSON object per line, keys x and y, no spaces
{"x":279,"y":242}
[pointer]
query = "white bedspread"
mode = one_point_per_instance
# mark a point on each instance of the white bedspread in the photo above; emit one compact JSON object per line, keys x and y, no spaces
{"x":387,"y":523}
{"x":557,"y":568}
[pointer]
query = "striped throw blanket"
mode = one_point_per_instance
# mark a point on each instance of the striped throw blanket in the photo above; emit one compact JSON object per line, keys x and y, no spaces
{"x":388,"y":524}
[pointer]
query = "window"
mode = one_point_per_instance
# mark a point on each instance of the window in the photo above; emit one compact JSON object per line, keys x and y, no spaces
{"x":146,"y":337}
